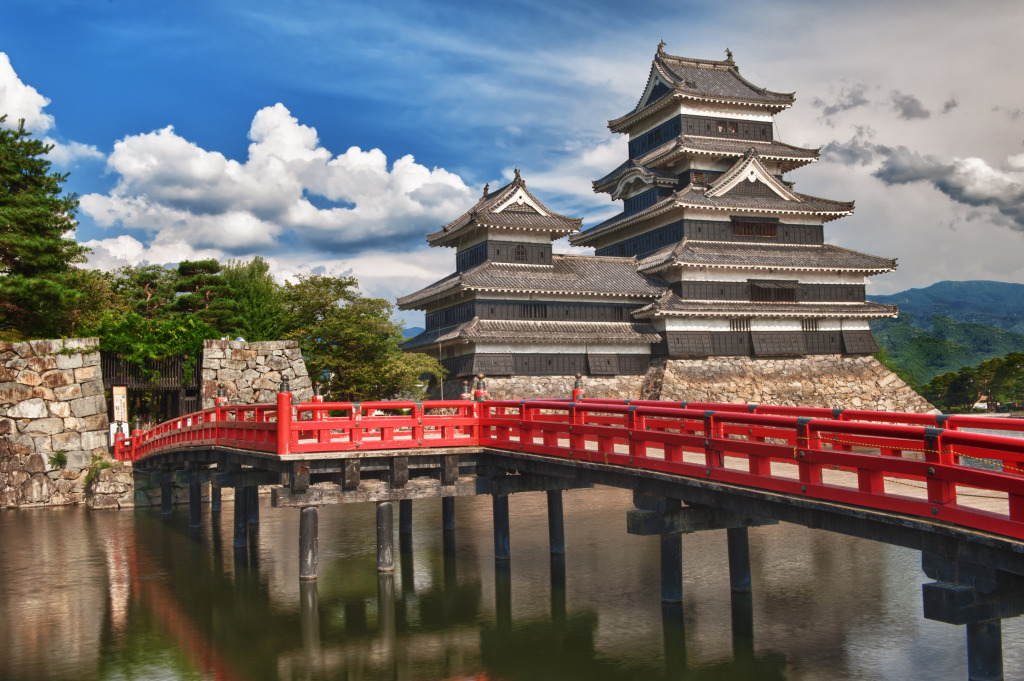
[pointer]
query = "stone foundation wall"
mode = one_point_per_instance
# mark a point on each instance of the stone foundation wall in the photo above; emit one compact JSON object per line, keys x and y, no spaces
{"x":52,"y":408}
{"x":847,"y":382}
{"x":252,"y":372}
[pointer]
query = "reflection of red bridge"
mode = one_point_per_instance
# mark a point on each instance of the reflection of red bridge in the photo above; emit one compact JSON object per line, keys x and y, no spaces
{"x":912,"y":464}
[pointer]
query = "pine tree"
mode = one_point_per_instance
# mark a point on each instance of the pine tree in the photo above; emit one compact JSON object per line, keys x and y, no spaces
{"x":36,"y":253}
{"x":208,"y":296}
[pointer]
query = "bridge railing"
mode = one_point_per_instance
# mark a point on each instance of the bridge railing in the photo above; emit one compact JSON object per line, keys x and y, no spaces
{"x":284,"y":428}
{"x":862,"y":462}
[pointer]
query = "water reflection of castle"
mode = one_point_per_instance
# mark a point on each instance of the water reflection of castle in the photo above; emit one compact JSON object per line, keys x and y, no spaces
{"x":714,"y":252}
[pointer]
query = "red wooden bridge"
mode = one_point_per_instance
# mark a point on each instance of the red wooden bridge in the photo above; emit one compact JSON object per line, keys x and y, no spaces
{"x":915,"y":480}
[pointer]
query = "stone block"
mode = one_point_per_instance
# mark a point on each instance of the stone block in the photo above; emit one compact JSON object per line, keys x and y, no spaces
{"x":29,"y":409}
{"x":29,"y":378}
{"x":235,"y":364}
{"x":81,"y":343}
{"x":92,"y":388}
{"x":210,"y":363}
{"x":68,"y":392}
{"x":69,"y":361}
{"x":288,"y":373}
{"x":263,"y":383}
{"x":66,"y":441}
{"x":91,"y":359}
{"x":57,"y":378}
{"x":60,"y":409}
{"x":266,"y":347}
{"x":87,"y":406}
{"x":17,"y":445}
{"x":299,"y":368}
{"x":7,"y":375}
{"x":94,"y":439}
{"x":43,"y":393}
{"x":46,"y":347}
{"x":9,"y":464}
{"x":225,"y":375}
{"x":42,"y":443}
{"x":7,"y":426}
{"x":101,"y":502}
{"x":301,"y":382}
{"x":278,"y":363}
{"x":87,"y":373}
{"x":78,"y":460}
{"x":72,"y":423}
{"x":209,"y":375}
{"x":37,"y":489}
{"x":293,"y":354}
{"x":24,"y":350}
{"x":35,"y":463}
{"x":95,"y":422}
{"x":13,"y":393}
{"x":11,"y":498}
{"x":41,"y":364}
{"x":43,"y":426}
{"x":250,"y":374}
{"x":214,"y":344}
{"x":247,"y":355}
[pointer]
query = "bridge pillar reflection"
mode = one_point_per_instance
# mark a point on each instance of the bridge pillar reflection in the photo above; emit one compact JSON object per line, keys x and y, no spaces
{"x":308,"y":547}
{"x":502,"y":540}
{"x":556,"y":526}
{"x":385,"y":537}
{"x":448,"y":514}
{"x":253,"y":504}
{"x":241,"y":518}
{"x":166,"y":495}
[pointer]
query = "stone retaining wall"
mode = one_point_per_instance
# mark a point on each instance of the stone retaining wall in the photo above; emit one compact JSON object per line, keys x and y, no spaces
{"x":52,"y":407}
{"x":252,"y":372}
{"x":848,"y":382}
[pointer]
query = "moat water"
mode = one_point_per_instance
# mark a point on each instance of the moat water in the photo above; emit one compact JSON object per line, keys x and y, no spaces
{"x":136,"y":595}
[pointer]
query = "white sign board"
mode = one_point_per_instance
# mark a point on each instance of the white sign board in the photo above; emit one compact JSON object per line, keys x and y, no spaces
{"x":120,"y":395}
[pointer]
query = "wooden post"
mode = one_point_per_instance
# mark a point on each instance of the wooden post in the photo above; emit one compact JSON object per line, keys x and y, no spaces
{"x":241,"y":518}
{"x":214,"y":498}
{"x":195,"y":501}
{"x":308,"y":548}
{"x":985,"y":651}
{"x":253,"y":504}
{"x":385,"y":537}
{"x":448,"y":514}
{"x":556,"y":528}
{"x":672,"y":559}
{"x":502,"y":543}
{"x":739,"y":559}
{"x":166,"y":497}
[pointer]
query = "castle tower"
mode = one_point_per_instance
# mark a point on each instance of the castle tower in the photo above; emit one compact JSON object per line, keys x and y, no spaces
{"x":707,"y":209}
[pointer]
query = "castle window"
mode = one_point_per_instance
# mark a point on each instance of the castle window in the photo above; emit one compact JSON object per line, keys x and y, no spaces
{"x":520,"y":253}
{"x":739,"y":324}
{"x":698,"y":178}
{"x":764,"y":230}
{"x":732,"y":127}
{"x":809,"y":324}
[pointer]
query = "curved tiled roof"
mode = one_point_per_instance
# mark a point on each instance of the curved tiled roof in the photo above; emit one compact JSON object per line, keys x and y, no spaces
{"x":671,"y":305}
{"x":532,"y":331}
{"x":694,"y":197}
{"x":703,"y":80}
{"x":747,"y":255}
{"x":491,"y":211}
{"x":586,"y":275}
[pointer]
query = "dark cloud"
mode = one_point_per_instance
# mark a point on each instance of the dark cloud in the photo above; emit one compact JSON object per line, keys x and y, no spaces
{"x":908,"y":107}
{"x":849,"y":98}
{"x":1012,"y":114}
{"x":971,"y":182}
{"x":949,"y":105}
{"x":858,"y":151}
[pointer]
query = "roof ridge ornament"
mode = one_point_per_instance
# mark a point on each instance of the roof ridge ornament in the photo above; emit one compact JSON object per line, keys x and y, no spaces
{"x":487,"y":188}
{"x":728,"y":56}
{"x":661,"y":47}
{"x":518,"y":177}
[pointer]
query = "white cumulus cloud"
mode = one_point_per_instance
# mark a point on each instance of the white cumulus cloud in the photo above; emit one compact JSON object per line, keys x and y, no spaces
{"x":290,"y":190}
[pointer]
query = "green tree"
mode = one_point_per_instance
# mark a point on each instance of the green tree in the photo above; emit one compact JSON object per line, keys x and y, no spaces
{"x":148,"y":290}
{"x":207,"y":295}
{"x":351,"y":344}
{"x":36,"y":253}
{"x":260,"y":300}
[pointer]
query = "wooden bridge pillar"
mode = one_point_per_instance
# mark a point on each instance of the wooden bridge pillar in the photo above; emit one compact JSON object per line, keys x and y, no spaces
{"x":556,"y":527}
{"x":241,"y":518}
{"x":195,"y":500}
{"x":385,"y":537}
{"x":308,"y":548}
{"x":253,"y":504}
{"x":985,"y":650}
{"x":502,"y":541}
{"x":672,"y":567}
{"x":739,"y":559}
{"x":215,"y":498}
{"x":166,"y":495}
{"x":448,"y":514}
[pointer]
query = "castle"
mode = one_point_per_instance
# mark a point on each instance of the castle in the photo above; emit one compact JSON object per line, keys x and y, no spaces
{"x":713,"y":255}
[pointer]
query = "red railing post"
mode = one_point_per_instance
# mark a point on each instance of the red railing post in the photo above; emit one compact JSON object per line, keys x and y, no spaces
{"x":284,"y":422}
{"x":577,"y":390}
{"x":940,"y":491}
{"x":712,"y":455}
{"x":810,"y":473}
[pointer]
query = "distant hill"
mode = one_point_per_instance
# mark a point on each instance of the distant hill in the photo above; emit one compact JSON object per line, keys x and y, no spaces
{"x":992,"y":303}
{"x":413,"y":331}
{"x":950,"y":325}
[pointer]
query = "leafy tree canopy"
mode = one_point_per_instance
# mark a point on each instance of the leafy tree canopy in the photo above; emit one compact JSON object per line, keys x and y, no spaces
{"x":351,"y":344}
{"x":36,"y":253}
{"x":260,"y":300}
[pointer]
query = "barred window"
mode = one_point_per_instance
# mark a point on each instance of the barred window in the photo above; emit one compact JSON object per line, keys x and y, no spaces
{"x":809,"y":324}
{"x":739,"y":324}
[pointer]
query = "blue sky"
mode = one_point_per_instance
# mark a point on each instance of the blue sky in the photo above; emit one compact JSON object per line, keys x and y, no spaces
{"x":332,"y":136}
